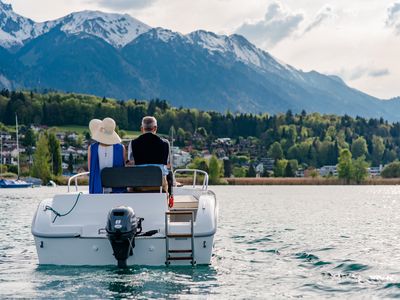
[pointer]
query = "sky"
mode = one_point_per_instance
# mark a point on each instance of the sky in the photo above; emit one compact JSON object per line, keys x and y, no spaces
{"x":358,"y":40}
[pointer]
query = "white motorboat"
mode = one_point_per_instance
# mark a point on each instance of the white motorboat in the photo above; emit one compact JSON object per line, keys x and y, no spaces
{"x":128,"y":228}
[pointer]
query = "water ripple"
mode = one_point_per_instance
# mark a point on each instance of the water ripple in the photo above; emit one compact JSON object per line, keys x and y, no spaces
{"x":287,"y":242}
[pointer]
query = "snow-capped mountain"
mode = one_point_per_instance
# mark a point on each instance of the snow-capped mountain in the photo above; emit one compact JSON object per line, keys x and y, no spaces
{"x":15,"y":29}
{"x":116,"y":29}
{"x":234,"y":47}
{"x":117,"y":56}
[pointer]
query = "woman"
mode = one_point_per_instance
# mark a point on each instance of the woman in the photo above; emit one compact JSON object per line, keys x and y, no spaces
{"x":106,"y":152}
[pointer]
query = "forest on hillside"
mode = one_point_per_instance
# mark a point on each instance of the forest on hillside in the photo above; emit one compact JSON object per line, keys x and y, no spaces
{"x":310,"y":138}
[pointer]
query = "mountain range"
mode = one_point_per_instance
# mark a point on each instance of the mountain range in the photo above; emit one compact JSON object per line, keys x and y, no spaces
{"x":115,"y":55}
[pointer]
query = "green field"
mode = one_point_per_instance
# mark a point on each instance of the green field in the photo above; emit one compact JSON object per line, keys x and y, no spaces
{"x":83,"y":129}
{"x":130,"y":134}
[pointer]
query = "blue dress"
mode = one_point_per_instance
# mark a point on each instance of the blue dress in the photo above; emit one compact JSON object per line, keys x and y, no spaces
{"x":95,"y":186}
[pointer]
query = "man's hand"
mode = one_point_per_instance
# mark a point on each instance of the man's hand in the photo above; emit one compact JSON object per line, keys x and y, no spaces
{"x":129,"y":163}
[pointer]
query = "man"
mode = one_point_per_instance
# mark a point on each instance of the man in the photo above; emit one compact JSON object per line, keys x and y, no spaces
{"x":149,"y":148}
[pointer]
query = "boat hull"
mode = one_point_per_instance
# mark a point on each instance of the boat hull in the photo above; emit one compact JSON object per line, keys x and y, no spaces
{"x":14,"y":184}
{"x":98,"y":252}
{"x":79,"y":237}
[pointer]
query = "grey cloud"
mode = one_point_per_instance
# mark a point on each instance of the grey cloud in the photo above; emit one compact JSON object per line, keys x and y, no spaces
{"x":361,"y":72}
{"x":277,"y":25}
{"x":379,"y":73}
{"x":393,"y":17}
{"x":324,"y":14}
{"x":124,"y":4}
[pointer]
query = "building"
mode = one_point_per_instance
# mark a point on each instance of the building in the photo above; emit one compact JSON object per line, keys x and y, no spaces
{"x":375,"y":171}
{"x":65,"y":153}
{"x":5,"y":136}
{"x":268,"y":163}
{"x":259,"y":170}
{"x":328,"y":171}
{"x":224,"y":141}
{"x":180,"y":158}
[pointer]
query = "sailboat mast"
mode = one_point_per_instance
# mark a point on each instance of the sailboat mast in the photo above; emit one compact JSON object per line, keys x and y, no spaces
{"x":171,"y":158}
{"x":16,"y":126}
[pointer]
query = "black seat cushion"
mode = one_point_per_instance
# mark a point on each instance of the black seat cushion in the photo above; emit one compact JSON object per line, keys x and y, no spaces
{"x":122,"y":177}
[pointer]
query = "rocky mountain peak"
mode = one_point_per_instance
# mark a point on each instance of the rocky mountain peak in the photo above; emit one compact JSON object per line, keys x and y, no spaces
{"x":116,"y":29}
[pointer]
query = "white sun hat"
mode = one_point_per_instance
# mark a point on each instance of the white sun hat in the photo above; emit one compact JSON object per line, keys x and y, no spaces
{"x":104,"y":131}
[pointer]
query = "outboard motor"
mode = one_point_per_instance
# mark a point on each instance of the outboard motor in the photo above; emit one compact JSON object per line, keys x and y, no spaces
{"x":122,"y":227}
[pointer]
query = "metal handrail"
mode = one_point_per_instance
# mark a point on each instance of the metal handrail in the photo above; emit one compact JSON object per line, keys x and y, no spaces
{"x":195,"y":171}
{"x":75,"y":177}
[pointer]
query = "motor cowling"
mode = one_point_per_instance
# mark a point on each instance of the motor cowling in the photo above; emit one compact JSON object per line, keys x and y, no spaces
{"x":122,"y":227}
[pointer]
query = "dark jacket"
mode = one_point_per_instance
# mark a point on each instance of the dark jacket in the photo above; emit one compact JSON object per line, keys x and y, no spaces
{"x":149,"y":148}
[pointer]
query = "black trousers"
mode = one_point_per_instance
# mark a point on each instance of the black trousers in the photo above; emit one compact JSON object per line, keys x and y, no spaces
{"x":170,"y":181}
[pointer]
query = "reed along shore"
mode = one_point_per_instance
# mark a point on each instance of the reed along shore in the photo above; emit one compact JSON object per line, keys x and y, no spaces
{"x":309,"y":181}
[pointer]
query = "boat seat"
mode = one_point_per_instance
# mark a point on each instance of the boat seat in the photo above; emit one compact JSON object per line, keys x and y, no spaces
{"x":135,"y":177}
{"x":185,"y":202}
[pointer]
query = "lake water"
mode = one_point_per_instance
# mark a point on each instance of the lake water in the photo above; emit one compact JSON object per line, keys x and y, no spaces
{"x":272,"y":242}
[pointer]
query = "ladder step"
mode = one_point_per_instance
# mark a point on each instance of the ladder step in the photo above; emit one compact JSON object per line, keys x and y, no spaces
{"x":180,"y":251}
{"x":179,"y":212}
{"x":179,"y":235}
{"x":181,"y":258}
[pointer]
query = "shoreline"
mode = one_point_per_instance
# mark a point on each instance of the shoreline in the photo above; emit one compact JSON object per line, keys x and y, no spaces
{"x":308,"y":181}
{"x":268,"y":181}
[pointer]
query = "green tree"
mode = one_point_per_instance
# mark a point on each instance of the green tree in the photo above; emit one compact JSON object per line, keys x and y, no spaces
{"x":239,"y":172}
{"x":214,"y":170}
{"x":345,"y":165}
{"x":313,"y":172}
{"x":3,"y":168}
{"x":70,"y":163}
{"x":41,"y":165}
{"x":240,"y":159}
{"x":327,"y":153}
{"x":360,"y":169}
{"x":227,"y":168}
{"x":203,"y":166}
{"x":275,"y":151}
{"x":87,"y":135}
{"x":122,"y":134}
{"x":378,"y":148}
{"x":55,"y":154}
{"x":291,"y":168}
{"x":280,"y":168}
{"x":252,"y":171}
{"x":392,"y":170}
{"x":200,"y":164}
{"x":180,"y":137}
{"x":389,"y":156}
{"x":289,"y":171}
{"x":359,"y":147}
{"x":202,"y":131}
{"x":29,"y":141}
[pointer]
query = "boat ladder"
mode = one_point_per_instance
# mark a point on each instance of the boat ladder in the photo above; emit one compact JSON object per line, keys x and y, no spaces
{"x":169,"y":235}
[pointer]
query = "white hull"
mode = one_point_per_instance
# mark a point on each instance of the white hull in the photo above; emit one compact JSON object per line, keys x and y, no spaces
{"x":98,"y":252}
{"x":79,"y":238}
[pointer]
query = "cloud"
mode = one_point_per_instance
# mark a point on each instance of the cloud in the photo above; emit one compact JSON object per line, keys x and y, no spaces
{"x":362,"y":72}
{"x":378,"y":73}
{"x":324,"y":14}
{"x":277,"y":24}
{"x":123,"y":4}
{"x":393,"y":17}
